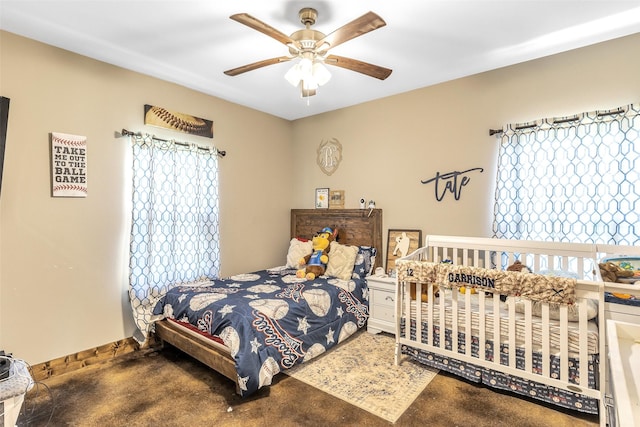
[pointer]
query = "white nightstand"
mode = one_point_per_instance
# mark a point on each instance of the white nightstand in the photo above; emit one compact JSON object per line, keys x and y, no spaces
{"x":382,"y":305}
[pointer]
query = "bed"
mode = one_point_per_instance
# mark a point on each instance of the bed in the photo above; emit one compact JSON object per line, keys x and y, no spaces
{"x":249,"y":327}
{"x":535,"y":334}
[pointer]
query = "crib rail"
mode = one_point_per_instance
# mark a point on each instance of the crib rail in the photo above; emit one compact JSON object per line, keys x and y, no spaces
{"x":477,"y":313}
{"x":579,"y":258}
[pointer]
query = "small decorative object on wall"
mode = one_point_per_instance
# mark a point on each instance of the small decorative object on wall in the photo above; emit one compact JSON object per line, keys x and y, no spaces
{"x":336,"y":199}
{"x":4,"y":121}
{"x":322,"y":198}
{"x":401,"y":243}
{"x":160,"y":117}
{"x":451,"y":182}
{"x":329,"y":155}
{"x":68,"y":165}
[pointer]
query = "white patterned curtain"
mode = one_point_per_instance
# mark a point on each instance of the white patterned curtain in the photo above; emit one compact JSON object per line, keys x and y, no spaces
{"x":174,"y":230}
{"x":571,"y":179}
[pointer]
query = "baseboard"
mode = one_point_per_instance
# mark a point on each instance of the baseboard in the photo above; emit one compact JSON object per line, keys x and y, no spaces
{"x":104,"y":353}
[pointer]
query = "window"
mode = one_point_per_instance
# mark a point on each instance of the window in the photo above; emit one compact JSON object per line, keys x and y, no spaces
{"x":573,"y":179}
{"x":174,"y":233}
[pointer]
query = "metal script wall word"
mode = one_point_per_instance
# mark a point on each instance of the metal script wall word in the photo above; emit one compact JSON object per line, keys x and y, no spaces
{"x":451,"y":182}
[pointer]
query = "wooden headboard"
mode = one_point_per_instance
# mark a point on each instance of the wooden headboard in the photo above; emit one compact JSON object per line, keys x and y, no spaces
{"x":355,"y":226}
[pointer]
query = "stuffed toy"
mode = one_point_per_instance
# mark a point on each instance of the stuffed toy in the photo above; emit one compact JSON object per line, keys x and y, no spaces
{"x":315,"y":264}
{"x":611,"y":272}
{"x":519,"y":267}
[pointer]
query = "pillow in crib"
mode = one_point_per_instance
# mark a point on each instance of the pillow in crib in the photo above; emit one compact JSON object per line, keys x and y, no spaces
{"x":365,"y":260}
{"x":573,"y":310}
{"x":298,"y":248}
{"x":341,"y":260}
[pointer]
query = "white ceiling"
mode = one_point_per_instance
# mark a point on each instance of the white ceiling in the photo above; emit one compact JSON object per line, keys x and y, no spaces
{"x":425,"y":42}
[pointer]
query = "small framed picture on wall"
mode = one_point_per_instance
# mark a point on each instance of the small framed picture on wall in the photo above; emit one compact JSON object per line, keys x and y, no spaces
{"x":401,"y":243}
{"x":322,"y":198}
{"x":336,"y":199}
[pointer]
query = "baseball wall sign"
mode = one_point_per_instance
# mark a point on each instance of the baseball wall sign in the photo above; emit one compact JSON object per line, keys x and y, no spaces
{"x":68,"y":165}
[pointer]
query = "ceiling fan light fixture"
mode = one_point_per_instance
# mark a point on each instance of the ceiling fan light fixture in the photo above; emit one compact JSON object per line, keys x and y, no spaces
{"x":312,"y":47}
{"x":309,"y":84}
{"x":309,"y":75}
{"x":320,"y":73}
{"x":294,"y":75}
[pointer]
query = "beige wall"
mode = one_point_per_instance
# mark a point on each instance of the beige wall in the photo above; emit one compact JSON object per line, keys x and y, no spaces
{"x":390,"y":145}
{"x":63,"y":269}
{"x":63,"y":261}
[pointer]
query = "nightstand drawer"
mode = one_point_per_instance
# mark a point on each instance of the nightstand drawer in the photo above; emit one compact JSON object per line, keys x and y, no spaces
{"x":385,"y":313}
{"x":382,"y":298}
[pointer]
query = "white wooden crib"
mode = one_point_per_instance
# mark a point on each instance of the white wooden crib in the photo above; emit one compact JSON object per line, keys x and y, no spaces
{"x":552,"y":352}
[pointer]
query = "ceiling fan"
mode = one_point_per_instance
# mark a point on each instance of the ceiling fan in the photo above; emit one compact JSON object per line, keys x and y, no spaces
{"x":312,"y":47}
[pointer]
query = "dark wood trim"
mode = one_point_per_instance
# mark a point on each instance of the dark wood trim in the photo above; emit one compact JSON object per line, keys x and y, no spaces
{"x":81,"y":359}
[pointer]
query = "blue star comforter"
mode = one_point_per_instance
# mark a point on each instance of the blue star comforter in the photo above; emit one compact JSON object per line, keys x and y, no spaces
{"x":270,"y":319}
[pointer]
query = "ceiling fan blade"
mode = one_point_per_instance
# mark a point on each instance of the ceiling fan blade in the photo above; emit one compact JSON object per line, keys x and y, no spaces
{"x":256,"y":24}
{"x":256,"y":65}
{"x":358,"y":66}
{"x":366,"y":23}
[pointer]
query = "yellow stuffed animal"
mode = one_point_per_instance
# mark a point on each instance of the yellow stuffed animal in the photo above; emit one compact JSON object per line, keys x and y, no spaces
{"x":315,"y":264}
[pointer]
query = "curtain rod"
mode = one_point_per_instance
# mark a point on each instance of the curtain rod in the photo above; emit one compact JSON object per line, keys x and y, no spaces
{"x":125,"y":132}
{"x":599,"y":114}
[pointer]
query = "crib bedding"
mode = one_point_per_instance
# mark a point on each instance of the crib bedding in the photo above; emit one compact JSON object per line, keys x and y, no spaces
{"x":500,"y":380}
{"x":270,"y":320}
{"x":495,"y":378}
{"x":537,"y":327}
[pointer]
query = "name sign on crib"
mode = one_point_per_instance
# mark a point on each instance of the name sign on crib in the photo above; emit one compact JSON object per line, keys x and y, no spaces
{"x":535,"y":287}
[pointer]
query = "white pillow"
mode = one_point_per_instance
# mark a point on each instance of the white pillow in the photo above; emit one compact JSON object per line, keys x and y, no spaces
{"x":341,"y":261}
{"x":298,"y":249}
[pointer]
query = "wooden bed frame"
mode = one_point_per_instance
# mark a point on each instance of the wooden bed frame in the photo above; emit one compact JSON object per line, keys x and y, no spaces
{"x":362,"y":227}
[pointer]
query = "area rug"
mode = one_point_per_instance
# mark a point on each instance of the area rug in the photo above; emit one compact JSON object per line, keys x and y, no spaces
{"x":361,"y":371}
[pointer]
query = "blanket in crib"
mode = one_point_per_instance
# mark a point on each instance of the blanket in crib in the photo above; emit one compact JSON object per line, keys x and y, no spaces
{"x":535,"y":287}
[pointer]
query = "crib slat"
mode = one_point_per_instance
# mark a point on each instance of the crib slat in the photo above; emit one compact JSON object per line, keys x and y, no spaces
{"x":528,"y":341}
{"x":454,"y":320}
{"x":407,"y":309}
{"x":546,"y":344}
{"x":442,"y":323}
{"x":580,"y":268}
{"x":431,"y":300}
{"x":564,"y":344}
{"x":583,"y":323}
{"x":512,"y":336}
{"x":482,"y":325}
{"x":497,"y":329}
{"x":536,"y":263}
{"x":418,"y":285}
{"x":467,"y":321}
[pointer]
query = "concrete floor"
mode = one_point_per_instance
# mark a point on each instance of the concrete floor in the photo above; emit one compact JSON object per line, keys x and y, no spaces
{"x":168,"y":388}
